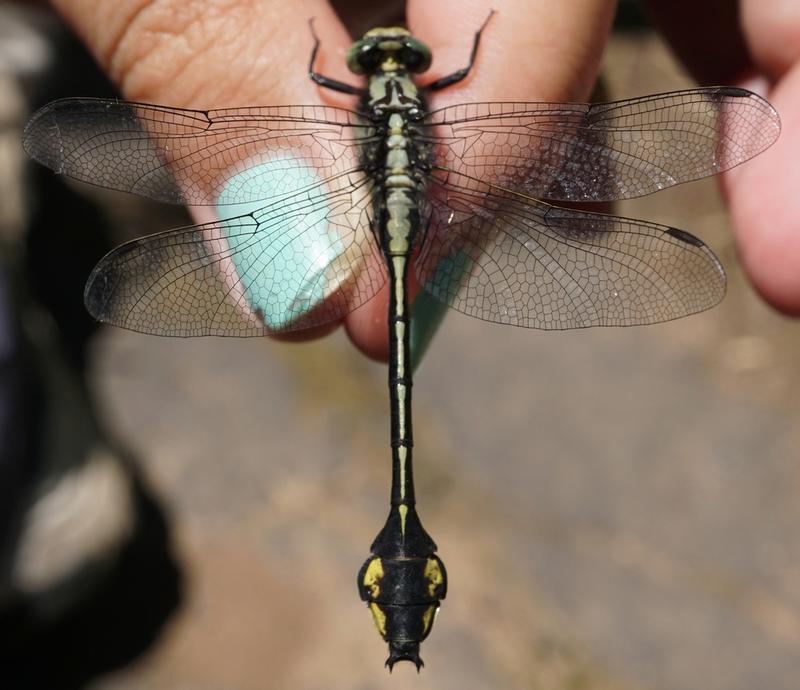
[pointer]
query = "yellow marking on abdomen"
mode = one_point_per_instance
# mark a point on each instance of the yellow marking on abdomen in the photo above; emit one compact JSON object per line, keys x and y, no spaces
{"x":399,"y":334}
{"x":403,"y":510}
{"x":373,"y":576}
{"x":379,"y":617}
{"x":402,"y":454}
{"x":427,"y":619}
{"x":433,"y":574}
{"x":400,"y":392}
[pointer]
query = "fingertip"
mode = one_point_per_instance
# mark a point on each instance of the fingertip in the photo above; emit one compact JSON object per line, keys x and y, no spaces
{"x":768,"y":243}
{"x":765,"y":207}
{"x":778,"y":286}
{"x":367,"y":326}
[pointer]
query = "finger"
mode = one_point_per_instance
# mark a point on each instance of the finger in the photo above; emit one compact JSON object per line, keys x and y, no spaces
{"x":201,"y":54}
{"x":757,"y":46}
{"x":531,"y":50}
{"x":772,"y":32}
{"x":368,"y":328}
{"x":213,"y":54}
{"x":765,"y":206}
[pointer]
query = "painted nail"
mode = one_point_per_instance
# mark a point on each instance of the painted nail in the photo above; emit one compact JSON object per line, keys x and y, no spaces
{"x":427,"y":314}
{"x":427,"y":311}
{"x":280,"y":251}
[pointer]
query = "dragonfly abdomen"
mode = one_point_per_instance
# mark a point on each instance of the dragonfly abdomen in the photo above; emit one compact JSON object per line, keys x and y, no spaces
{"x":403,"y":595}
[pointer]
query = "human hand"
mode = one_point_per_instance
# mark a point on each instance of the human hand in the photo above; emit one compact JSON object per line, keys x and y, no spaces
{"x":755,"y":44}
{"x":225,"y":53}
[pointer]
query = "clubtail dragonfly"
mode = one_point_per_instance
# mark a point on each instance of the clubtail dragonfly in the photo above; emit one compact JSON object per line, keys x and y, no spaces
{"x":318,"y":207}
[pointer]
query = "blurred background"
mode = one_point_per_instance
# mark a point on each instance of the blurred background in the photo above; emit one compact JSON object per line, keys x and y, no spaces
{"x":617,"y":509}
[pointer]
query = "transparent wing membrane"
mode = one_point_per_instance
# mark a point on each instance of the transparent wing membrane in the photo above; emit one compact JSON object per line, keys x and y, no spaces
{"x":293,"y":248}
{"x":605,"y":151}
{"x":294,"y":189}
{"x":303,"y":262}
{"x":502,"y":257}
{"x":188,"y":156}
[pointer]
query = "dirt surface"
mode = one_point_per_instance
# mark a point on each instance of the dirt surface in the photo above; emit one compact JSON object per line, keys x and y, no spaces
{"x":617,"y":509}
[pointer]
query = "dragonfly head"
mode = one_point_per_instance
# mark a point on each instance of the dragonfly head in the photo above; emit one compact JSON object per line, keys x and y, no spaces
{"x":388,"y":50}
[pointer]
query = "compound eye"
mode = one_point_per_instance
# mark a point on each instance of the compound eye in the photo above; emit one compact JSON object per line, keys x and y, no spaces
{"x":416,"y":56}
{"x":363,"y":57}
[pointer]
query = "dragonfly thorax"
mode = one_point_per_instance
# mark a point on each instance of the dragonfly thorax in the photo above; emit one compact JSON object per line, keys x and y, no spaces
{"x":394,"y":93}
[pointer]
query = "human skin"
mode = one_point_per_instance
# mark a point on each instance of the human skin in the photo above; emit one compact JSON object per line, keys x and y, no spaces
{"x":218,"y":53}
{"x":756,"y":44}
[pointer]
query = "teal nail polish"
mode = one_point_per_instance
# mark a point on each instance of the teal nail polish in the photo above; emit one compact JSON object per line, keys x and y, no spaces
{"x":427,"y":311}
{"x":280,"y":251}
{"x":427,"y":314}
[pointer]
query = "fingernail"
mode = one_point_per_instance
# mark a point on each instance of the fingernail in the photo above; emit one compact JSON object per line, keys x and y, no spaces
{"x":279,"y":256}
{"x":427,"y":311}
{"x":427,"y":314}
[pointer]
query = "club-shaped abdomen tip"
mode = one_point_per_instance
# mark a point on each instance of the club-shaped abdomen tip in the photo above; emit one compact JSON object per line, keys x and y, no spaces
{"x":403,"y":595}
{"x":406,"y":650}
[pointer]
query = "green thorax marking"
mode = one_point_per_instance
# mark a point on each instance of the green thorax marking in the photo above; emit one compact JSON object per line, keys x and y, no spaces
{"x":393,"y":91}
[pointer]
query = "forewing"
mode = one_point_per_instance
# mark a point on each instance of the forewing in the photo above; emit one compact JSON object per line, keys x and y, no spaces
{"x":189,"y":156}
{"x":502,"y":257}
{"x":601,"y":152}
{"x":298,"y":263}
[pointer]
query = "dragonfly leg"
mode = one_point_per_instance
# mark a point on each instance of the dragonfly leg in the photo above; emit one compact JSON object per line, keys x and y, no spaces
{"x":458,"y":75}
{"x":321,"y":79}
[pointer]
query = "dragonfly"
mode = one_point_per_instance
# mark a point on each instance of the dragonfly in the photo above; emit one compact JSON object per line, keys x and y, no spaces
{"x":314,"y":209}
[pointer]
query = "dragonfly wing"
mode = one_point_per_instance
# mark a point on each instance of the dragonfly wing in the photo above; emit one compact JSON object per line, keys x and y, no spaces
{"x":298,"y":263}
{"x":503,"y":257}
{"x":189,"y":156}
{"x":605,"y":151}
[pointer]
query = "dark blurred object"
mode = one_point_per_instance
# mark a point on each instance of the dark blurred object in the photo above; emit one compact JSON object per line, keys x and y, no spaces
{"x":66,"y":235}
{"x":87,"y":576}
{"x":631,"y":16}
{"x":67,"y":232}
{"x":686,"y":26}
{"x":361,"y":15}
